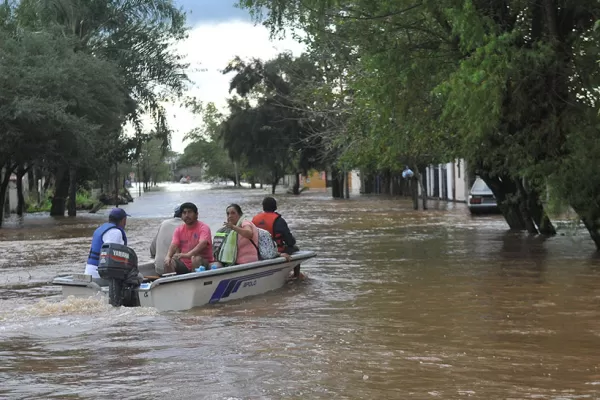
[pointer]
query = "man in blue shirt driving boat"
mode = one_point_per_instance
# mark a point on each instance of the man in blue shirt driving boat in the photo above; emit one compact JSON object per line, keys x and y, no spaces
{"x":112,"y":231}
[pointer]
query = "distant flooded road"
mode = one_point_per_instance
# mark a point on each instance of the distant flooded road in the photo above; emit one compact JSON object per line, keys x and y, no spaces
{"x":398,"y":304}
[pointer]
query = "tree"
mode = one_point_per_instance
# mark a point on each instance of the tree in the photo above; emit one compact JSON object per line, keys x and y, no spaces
{"x":207,"y":148}
{"x":511,"y":86}
{"x":252,"y":134}
{"x":52,"y":101}
{"x":151,"y":162}
{"x":275,"y":134}
{"x":137,"y":36}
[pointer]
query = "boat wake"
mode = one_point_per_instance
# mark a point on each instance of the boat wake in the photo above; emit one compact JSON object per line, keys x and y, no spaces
{"x":84,"y":313}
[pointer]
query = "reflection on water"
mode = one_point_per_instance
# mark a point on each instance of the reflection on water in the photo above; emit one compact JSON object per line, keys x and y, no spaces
{"x":399,"y":304}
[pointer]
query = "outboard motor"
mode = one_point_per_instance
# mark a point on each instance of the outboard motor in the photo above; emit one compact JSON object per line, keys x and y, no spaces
{"x":119,"y":266}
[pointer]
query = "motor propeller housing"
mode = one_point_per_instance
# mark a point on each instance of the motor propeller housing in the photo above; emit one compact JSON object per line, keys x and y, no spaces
{"x":119,"y":266}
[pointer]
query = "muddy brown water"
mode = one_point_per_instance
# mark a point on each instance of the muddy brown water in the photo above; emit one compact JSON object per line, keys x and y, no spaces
{"x":399,"y":304}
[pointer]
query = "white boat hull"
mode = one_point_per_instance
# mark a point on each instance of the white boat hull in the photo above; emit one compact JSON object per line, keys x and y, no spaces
{"x":183,"y":292}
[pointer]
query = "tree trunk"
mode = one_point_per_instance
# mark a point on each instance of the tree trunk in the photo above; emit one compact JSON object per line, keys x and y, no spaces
{"x":96,"y":207}
{"x":72,"y":206}
{"x":237,"y":175}
{"x":419,"y":178}
{"x":31,"y":180}
{"x":538,"y":214}
{"x":593,"y":227}
{"x":591,"y":221}
{"x":4,"y":179}
{"x":522,"y":201}
{"x":47,"y":182}
{"x":252,"y":182}
{"x":274,"y":185}
{"x":504,"y":189}
{"x":346,"y":185}
{"x":414,"y":189}
{"x":366,"y":183}
{"x":20,"y":197}
{"x":296,"y":187}
{"x":336,"y":188}
{"x":535,"y":210}
{"x":60,"y":193}
{"x":385,"y":183}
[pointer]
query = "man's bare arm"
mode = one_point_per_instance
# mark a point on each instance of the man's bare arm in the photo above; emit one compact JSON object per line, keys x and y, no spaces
{"x":196,"y":250}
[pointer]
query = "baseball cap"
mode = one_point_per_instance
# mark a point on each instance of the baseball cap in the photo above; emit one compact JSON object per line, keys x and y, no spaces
{"x":177,"y":212}
{"x":118,"y":213}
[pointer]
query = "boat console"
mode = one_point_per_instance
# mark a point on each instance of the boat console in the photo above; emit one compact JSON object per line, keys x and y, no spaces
{"x":119,"y":266}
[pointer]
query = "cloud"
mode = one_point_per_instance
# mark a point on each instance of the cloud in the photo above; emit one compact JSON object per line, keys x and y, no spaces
{"x":209,"y":47}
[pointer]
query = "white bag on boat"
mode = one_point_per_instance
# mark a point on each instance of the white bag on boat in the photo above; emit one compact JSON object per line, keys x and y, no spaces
{"x":267,"y":248}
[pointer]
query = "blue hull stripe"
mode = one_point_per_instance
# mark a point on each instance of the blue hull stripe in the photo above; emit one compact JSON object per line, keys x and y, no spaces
{"x":228,"y":286}
{"x":256,"y":276}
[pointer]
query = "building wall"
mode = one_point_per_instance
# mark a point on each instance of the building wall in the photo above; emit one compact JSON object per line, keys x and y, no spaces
{"x":13,"y":199}
{"x":315,"y":180}
{"x":355,"y":182}
{"x":318,"y":180}
{"x":461,"y":181}
{"x":448,"y":181}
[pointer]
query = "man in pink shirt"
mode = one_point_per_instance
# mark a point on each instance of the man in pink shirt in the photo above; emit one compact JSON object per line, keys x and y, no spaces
{"x":191,"y":245}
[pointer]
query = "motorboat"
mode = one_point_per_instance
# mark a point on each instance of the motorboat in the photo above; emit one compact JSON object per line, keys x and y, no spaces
{"x":126,"y":284}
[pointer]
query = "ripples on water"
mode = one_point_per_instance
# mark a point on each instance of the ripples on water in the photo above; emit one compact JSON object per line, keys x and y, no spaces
{"x":399,"y":304}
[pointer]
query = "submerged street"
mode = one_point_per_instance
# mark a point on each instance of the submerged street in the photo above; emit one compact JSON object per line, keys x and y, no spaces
{"x":398,"y":304}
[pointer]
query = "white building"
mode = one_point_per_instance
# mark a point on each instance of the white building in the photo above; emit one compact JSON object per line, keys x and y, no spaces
{"x":448,"y":181}
{"x":12,"y":196}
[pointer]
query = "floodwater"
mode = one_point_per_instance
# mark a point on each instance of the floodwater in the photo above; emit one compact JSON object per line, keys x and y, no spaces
{"x":399,"y":304}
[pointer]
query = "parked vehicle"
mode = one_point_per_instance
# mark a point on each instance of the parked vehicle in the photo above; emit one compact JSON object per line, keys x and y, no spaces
{"x":482,"y":199}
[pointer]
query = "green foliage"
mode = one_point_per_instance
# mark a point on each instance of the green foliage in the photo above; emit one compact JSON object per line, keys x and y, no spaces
{"x":54,"y":103}
{"x":207,"y":148}
{"x":74,"y":72}
{"x":83,"y":201}
{"x":510,"y":86}
{"x":151,"y":162}
{"x":137,"y":35}
{"x":276,"y":132}
{"x":212,"y":156}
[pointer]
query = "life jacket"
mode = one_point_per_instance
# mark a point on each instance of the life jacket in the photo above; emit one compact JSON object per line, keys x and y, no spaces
{"x":218,"y":241}
{"x":94,"y":256}
{"x":266,"y":221}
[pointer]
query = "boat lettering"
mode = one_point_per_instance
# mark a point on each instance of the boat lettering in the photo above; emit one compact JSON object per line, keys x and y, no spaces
{"x":249,"y":283}
{"x":121,"y":254}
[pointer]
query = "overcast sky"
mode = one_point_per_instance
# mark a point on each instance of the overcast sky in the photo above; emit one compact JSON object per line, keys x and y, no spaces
{"x":219,"y":32}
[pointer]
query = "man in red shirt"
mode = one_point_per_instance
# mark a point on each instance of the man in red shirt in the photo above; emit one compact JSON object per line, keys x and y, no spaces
{"x":191,"y":246}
